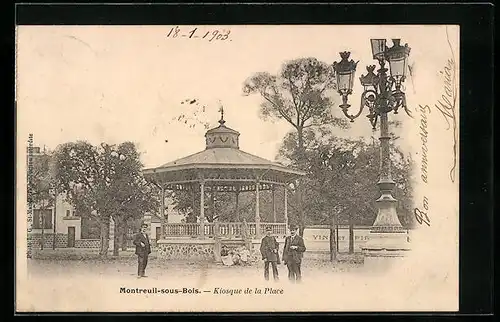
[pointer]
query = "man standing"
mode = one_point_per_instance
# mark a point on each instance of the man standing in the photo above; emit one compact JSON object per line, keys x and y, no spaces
{"x":142,"y":250}
{"x":292,"y":254}
{"x":269,"y":251}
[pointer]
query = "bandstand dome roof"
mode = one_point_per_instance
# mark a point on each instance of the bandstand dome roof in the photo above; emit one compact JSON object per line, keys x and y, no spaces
{"x":222,"y":155}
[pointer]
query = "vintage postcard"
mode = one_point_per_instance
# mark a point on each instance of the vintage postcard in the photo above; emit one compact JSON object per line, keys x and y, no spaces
{"x":237,"y":168}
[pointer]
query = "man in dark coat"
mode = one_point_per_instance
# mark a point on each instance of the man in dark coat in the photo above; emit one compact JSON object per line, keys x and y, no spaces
{"x":292,"y":254}
{"x":142,"y":250}
{"x":269,"y":251}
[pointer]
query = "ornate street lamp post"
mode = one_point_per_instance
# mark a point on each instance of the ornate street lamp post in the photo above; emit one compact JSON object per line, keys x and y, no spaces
{"x":382,"y":94}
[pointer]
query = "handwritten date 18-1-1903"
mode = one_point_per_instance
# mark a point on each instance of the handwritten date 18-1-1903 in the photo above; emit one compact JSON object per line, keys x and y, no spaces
{"x":198,"y":33}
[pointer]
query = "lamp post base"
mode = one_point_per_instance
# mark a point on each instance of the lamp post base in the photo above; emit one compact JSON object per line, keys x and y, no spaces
{"x":383,"y":249}
{"x":388,"y":242}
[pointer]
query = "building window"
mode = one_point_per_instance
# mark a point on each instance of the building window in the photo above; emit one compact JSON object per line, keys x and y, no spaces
{"x":68,"y":213}
{"x":42,"y":218}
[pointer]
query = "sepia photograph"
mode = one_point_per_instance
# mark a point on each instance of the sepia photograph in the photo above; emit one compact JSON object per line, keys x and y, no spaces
{"x":237,"y":168}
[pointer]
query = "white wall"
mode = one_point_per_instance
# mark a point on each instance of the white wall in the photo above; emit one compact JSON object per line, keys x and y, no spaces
{"x":63,"y":222}
{"x":174,"y":216}
{"x":154,"y":225}
{"x":318,"y":239}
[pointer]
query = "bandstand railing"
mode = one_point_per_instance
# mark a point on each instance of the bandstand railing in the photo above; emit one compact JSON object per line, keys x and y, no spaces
{"x":229,"y":230}
{"x":181,"y":229}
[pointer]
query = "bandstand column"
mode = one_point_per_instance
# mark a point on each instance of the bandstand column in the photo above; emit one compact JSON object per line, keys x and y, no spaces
{"x":285,"y":191}
{"x":193,"y":197}
{"x":212,"y":201}
{"x":274,"y":204}
{"x":237,"y":208}
{"x":162,"y":210}
{"x":257,"y":210}
{"x":202,"y":209}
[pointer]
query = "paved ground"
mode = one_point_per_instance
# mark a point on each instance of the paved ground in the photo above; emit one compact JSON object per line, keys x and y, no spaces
{"x":52,"y":264}
{"x":77,"y":280}
{"x":83,"y":283}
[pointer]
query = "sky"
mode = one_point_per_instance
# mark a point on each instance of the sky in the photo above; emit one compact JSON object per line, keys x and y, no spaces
{"x":126,"y":83}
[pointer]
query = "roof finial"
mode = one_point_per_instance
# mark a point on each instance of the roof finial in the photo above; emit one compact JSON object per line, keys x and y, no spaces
{"x":221,"y":110}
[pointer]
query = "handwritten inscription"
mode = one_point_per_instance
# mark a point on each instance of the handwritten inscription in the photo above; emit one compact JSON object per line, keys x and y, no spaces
{"x":424,"y":134}
{"x":447,"y":104}
{"x":421,"y":215}
{"x":197,"y":33}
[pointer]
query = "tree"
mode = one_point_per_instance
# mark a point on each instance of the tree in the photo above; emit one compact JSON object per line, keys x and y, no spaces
{"x":299,"y":94}
{"x":340,"y":186}
{"x":193,"y":115}
{"x":104,"y":182}
{"x":221,"y":207}
{"x":40,"y":179}
{"x":132,"y":194}
{"x":134,"y":198}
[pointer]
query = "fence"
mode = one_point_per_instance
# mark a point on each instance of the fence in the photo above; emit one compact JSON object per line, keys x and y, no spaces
{"x":48,"y":238}
{"x":229,"y":230}
{"x":61,"y":241}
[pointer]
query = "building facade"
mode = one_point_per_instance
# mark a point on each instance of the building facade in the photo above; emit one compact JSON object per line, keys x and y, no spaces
{"x":60,"y":226}
{"x":54,"y":226}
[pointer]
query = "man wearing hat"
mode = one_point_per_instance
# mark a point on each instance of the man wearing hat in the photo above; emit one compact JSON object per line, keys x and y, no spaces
{"x":269,"y":251}
{"x":142,"y":250}
{"x":292,"y":254}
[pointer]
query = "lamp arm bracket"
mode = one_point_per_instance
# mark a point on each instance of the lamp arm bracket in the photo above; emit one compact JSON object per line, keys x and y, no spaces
{"x":361,"y":107}
{"x":400,"y":101}
{"x":370,"y":102}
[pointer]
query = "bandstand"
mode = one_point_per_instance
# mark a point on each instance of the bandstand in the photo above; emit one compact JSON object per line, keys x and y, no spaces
{"x":222,"y":168}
